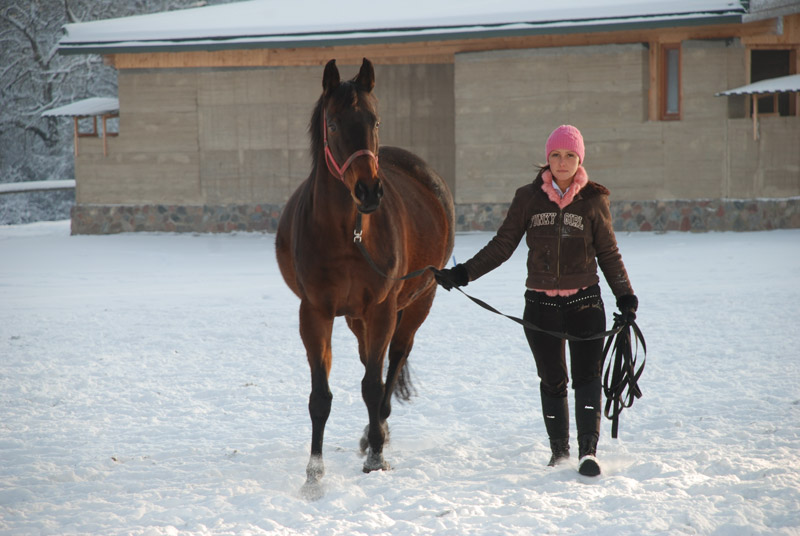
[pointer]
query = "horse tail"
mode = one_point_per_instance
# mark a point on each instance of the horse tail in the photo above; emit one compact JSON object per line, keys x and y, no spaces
{"x":404,"y":390}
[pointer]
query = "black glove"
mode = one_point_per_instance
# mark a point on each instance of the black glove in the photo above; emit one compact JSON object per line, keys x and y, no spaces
{"x":627,"y":305}
{"x":456,"y":276}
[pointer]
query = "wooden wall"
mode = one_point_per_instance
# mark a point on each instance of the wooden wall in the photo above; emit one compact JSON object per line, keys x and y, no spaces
{"x":155,"y":158}
{"x":229,"y":136}
{"x":507,"y":103}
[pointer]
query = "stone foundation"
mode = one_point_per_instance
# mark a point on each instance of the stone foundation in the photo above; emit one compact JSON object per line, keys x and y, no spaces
{"x":110,"y":219}
{"x":656,"y":216}
{"x":707,"y":215}
{"x":661,"y":216}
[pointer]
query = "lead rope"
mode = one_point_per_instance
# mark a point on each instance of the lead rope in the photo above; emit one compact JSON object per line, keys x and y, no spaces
{"x":621,"y":378}
{"x":524,"y":323}
{"x":357,"y":235}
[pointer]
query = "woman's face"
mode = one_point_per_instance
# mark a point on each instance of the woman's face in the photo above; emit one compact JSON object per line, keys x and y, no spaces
{"x":563,"y":164}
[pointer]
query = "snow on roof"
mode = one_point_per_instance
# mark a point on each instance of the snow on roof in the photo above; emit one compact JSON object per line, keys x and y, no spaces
{"x":91,"y":106}
{"x":768,"y":9}
{"x":36,"y":186}
{"x":782,"y":84}
{"x":292,"y":23}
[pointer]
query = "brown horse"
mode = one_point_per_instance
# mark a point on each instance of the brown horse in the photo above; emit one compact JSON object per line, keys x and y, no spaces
{"x":407,"y":223}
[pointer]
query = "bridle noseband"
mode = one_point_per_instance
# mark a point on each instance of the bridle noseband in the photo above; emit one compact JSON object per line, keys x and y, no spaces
{"x":333,"y":167}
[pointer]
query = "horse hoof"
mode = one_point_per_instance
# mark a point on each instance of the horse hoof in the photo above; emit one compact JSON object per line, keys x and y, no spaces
{"x":312,"y":491}
{"x":363,"y":444}
{"x":315,"y":470}
{"x":375,"y":462}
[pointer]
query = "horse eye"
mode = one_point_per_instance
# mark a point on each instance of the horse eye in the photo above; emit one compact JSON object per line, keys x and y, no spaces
{"x":332,"y":127}
{"x":377,"y":124}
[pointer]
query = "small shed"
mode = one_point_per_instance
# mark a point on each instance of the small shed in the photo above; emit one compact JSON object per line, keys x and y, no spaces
{"x":103,"y":107}
{"x":765,"y":89}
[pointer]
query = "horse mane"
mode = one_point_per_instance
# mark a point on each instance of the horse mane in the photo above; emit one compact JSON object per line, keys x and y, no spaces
{"x":345,"y":93}
{"x":315,"y":129}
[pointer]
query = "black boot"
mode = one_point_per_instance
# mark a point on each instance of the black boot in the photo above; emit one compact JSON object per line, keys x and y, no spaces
{"x":556,"y":420}
{"x":560,"y":451}
{"x":588,"y":400}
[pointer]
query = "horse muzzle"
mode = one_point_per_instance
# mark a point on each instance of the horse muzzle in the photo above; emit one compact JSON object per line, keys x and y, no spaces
{"x":368,"y":196}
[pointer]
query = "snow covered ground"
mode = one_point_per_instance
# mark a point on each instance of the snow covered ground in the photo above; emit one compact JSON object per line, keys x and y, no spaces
{"x":156,"y":384}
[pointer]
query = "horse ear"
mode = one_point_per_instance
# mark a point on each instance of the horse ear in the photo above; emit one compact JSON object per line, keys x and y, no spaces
{"x":330,"y":78}
{"x":366,"y":76}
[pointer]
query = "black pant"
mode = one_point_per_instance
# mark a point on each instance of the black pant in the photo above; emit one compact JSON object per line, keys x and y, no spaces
{"x":579,"y":315}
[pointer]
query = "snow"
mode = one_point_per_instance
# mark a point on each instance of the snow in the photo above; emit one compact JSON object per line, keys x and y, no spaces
{"x":781,"y":84}
{"x":271,"y":20}
{"x":36,"y":186}
{"x":349,"y":37}
{"x":90,"y":106}
{"x":155,"y":384}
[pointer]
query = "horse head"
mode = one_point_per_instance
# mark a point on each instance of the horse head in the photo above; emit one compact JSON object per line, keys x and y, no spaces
{"x":349,"y":123}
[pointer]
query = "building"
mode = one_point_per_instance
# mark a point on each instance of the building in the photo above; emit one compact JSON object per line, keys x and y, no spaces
{"x":214,"y":104}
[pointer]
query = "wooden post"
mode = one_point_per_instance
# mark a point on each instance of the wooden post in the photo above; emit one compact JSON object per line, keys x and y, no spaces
{"x":653,"y":89}
{"x":106,"y":134}
{"x":75,"y":123}
{"x":794,"y":61}
{"x":105,"y":130}
{"x":755,"y":116}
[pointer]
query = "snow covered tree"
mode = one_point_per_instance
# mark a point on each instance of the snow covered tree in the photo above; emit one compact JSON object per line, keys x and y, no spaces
{"x":34,"y":78}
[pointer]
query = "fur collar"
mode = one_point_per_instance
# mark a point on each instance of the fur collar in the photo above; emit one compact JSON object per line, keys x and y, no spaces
{"x":581,"y":179}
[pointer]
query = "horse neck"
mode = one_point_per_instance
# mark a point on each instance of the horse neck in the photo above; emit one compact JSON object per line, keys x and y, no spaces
{"x":332,"y":204}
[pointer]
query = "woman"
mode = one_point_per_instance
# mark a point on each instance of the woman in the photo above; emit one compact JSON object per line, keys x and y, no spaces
{"x":568,"y":228}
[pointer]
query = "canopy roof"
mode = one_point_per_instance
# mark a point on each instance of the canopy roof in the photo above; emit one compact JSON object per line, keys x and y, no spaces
{"x":92,"y":106}
{"x":303,"y":23}
{"x":783,"y":84}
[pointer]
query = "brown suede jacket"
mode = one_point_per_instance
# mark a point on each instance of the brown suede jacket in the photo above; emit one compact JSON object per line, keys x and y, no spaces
{"x":565,"y":244}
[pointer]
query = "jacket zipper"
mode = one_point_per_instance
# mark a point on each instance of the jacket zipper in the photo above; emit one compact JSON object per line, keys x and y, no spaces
{"x":558,"y":250}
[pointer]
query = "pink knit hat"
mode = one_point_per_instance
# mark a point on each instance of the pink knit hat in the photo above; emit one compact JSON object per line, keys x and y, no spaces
{"x":565,"y":137}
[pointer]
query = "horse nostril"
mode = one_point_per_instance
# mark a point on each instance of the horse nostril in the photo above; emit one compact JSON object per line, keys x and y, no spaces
{"x":361,"y":191}
{"x":369,"y":196}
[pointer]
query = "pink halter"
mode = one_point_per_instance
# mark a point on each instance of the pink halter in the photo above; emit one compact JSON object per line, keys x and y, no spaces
{"x":333,"y":167}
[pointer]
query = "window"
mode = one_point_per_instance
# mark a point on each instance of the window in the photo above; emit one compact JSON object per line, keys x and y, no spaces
{"x":766,"y":64}
{"x":670,"y":74}
{"x":85,"y":126}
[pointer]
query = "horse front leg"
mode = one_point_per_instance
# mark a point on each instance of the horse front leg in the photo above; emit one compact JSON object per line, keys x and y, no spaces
{"x":377,"y":333}
{"x":315,"y":331}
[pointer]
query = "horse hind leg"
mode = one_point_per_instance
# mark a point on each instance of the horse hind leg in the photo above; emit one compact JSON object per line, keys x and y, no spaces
{"x":398,"y":380}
